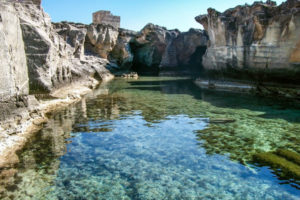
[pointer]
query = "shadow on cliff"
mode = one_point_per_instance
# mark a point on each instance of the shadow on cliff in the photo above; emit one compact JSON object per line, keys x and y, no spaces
{"x":271,"y":107}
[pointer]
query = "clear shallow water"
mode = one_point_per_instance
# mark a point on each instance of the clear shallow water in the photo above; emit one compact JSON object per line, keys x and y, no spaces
{"x":157,"y":138}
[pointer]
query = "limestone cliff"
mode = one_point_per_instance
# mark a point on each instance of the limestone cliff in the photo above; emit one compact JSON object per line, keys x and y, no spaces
{"x":122,"y":53}
{"x":74,"y":35}
{"x":34,"y":59}
{"x":148,"y":47}
{"x":259,"y":42}
{"x":155,"y":48}
{"x":101,"y":39}
{"x":13,"y":66}
{"x":185,"y":50}
{"x":51,"y":61}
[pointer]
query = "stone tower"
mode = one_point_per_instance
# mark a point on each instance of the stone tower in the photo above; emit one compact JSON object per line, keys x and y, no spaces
{"x":105,"y":17}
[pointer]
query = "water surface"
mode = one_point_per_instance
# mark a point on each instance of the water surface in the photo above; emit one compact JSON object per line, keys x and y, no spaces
{"x":158,"y":138}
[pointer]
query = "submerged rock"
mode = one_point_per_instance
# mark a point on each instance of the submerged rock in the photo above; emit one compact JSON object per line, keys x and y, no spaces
{"x":289,"y":155}
{"x":287,"y":167}
{"x":221,"y":121}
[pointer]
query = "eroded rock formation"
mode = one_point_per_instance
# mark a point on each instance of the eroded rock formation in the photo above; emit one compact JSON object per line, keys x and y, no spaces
{"x":185,"y":50}
{"x":148,"y":48}
{"x":51,"y":61}
{"x":258,"y":42}
{"x":101,"y":39}
{"x":155,"y":48}
{"x":122,"y":53}
{"x":74,"y":35}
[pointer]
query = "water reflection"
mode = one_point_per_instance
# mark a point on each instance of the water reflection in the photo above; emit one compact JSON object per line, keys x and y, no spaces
{"x":39,"y":160}
{"x":152,"y":139}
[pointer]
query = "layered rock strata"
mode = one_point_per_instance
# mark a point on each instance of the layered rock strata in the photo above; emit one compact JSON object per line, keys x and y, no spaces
{"x":259,"y":43}
{"x":101,"y":39}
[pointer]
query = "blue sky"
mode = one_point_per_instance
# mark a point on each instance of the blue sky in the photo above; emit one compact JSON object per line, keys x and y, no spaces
{"x":135,"y":14}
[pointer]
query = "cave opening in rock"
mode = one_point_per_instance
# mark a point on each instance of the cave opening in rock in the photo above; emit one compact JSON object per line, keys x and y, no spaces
{"x":195,"y":64}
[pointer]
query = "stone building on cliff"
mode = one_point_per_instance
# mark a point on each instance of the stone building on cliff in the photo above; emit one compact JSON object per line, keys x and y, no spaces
{"x":105,"y":17}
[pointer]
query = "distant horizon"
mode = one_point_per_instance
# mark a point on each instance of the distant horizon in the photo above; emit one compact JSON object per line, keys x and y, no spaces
{"x":178,"y":14}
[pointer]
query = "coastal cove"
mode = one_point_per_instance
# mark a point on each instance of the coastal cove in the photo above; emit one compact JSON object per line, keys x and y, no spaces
{"x":157,"y":138}
{"x":97,"y":111}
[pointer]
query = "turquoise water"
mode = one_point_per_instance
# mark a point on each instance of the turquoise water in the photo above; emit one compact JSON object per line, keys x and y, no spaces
{"x":158,"y":138}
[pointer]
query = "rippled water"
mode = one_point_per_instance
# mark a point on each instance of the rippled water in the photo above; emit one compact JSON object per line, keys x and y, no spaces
{"x":158,"y":138}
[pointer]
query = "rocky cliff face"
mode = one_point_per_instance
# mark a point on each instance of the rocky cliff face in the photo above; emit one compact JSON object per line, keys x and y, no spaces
{"x":185,"y":50}
{"x":48,"y":58}
{"x":51,"y":61}
{"x":151,"y":50}
{"x":101,"y":39}
{"x":148,"y":47}
{"x":122,"y":53}
{"x":156,"y":48}
{"x":74,"y":35}
{"x":35,"y":58}
{"x":258,"y":42}
{"x":13,"y":69}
